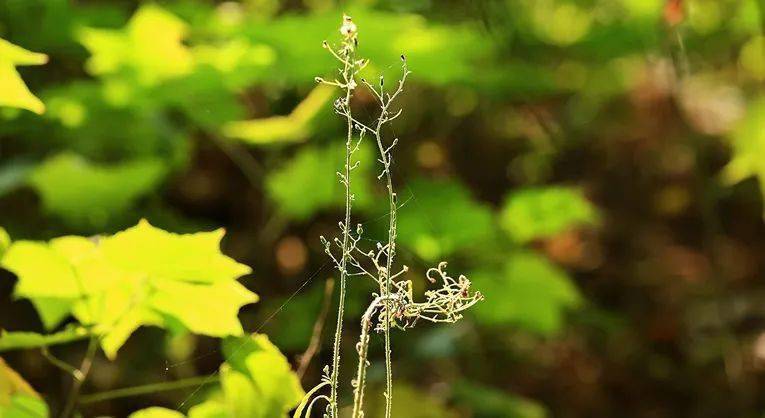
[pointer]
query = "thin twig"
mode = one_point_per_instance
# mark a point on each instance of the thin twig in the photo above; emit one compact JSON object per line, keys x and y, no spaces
{"x":78,"y":381}
{"x":318,"y":327}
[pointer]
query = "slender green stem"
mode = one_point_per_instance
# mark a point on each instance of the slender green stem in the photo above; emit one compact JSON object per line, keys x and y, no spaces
{"x":61,"y":364}
{"x":385,"y":289}
{"x":348,"y":74}
{"x":385,"y":283}
{"x":318,"y":328}
{"x":146,"y":389}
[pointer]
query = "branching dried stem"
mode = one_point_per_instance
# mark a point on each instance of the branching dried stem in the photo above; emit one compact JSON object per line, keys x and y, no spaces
{"x":394,"y":306}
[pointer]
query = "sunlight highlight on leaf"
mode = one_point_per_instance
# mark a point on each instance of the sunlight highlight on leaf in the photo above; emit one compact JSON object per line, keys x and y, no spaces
{"x":294,"y":127}
{"x":141,"y":276}
{"x":256,"y":382}
{"x":150,"y":46}
{"x":748,"y":141}
{"x":13,"y":91}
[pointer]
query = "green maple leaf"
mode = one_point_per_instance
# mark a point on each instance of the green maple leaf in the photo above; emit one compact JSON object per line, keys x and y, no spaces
{"x":137,"y":277}
{"x":13,"y":91}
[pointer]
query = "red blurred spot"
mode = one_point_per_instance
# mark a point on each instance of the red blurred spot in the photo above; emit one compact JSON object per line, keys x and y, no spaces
{"x":673,"y":12}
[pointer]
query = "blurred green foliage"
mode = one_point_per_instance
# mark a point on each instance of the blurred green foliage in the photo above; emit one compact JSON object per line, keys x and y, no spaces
{"x":568,"y":153}
{"x":541,"y":213}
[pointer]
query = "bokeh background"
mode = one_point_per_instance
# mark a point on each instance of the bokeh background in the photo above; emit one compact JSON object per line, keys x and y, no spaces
{"x":594,"y":166}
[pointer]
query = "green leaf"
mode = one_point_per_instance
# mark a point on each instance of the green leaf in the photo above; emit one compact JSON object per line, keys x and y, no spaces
{"x":295,"y":127}
{"x":156,"y":412}
{"x":137,"y":277}
{"x":47,"y":273}
{"x":308,"y":183}
{"x":13,"y":91}
{"x":256,"y":382}
{"x":441,"y":218}
{"x":24,"y":406}
{"x":24,"y":340}
{"x":11,"y":383}
{"x":748,"y":140}
{"x":542,"y":212}
{"x":17,"y":398}
{"x":216,"y":311}
{"x":194,"y":257}
{"x":52,"y":310}
{"x":528,"y":291}
{"x":150,"y":47}
{"x":102,"y":192}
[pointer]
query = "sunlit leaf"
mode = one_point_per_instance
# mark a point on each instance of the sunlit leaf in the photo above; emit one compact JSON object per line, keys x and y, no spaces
{"x":542,"y":212}
{"x":528,"y":291}
{"x":256,"y":381}
{"x":188,"y":257}
{"x":560,"y":22}
{"x":752,"y":57}
{"x":53,"y":278}
{"x":748,"y":141}
{"x":13,"y":91}
{"x":294,"y":127}
{"x":150,"y":46}
{"x":223,"y":297}
{"x":137,"y":277}
{"x":88,"y":195}
{"x":440,"y":217}
{"x":156,"y":412}
{"x":52,"y":311}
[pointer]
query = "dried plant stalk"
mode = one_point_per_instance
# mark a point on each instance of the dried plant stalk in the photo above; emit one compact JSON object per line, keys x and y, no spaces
{"x":394,"y":306}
